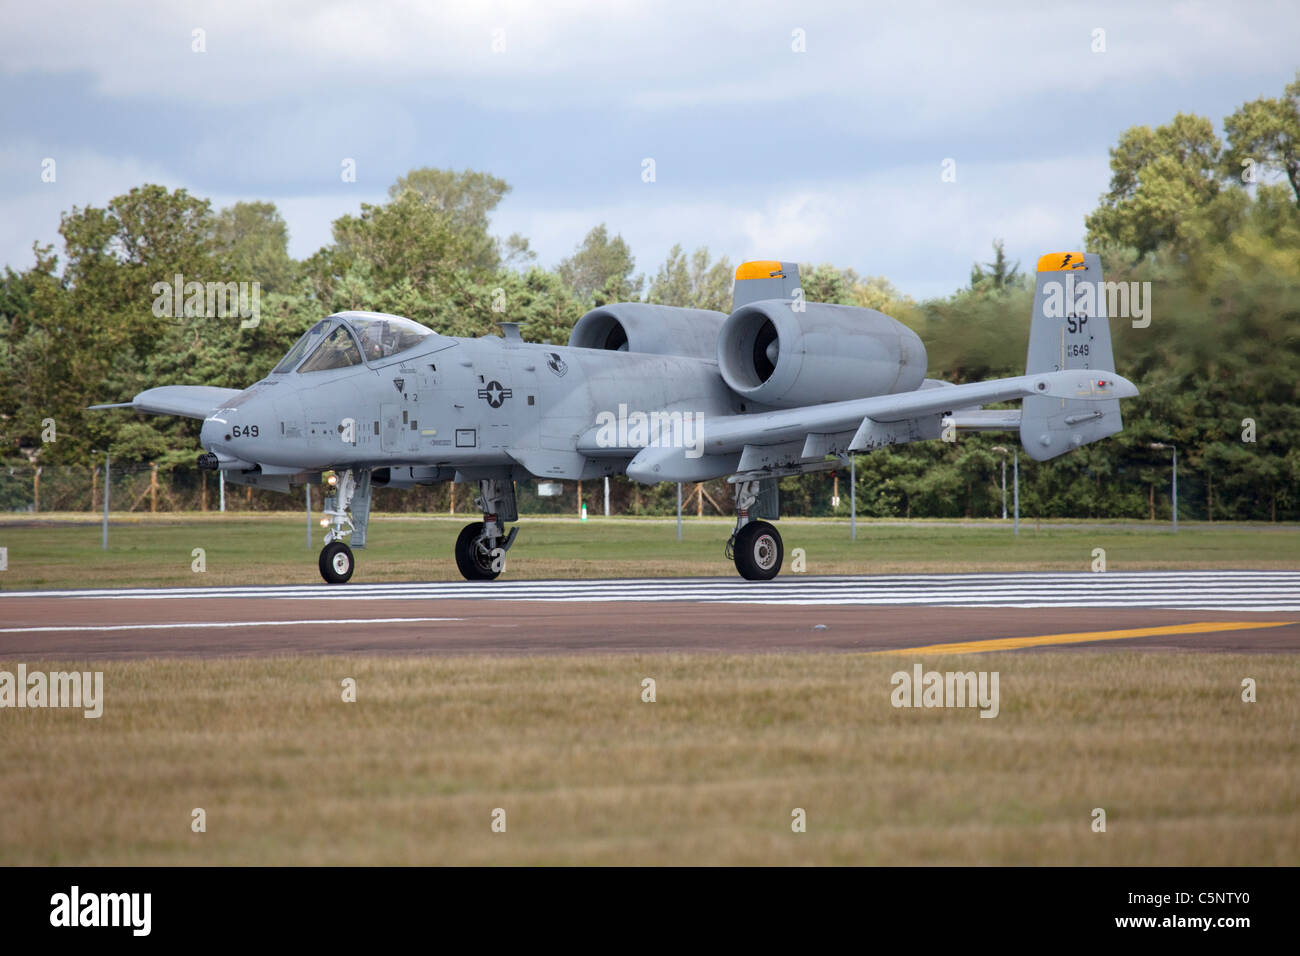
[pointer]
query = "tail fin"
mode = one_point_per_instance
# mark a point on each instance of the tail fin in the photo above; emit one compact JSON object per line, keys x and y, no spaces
{"x":1069,"y":330}
{"x":765,"y":279}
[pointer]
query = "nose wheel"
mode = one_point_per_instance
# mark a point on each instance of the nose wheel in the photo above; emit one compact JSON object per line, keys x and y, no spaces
{"x":336,"y":563}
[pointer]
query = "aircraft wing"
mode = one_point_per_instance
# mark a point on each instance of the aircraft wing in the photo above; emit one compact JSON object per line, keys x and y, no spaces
{"x":733,"y":432}
{"x":801,"y":433}
{"x":188,"y":401}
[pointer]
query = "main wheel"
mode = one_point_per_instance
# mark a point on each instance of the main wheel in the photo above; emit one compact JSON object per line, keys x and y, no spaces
{"x":474,"y":554}
{"x":758,"y":551}
{"x":336,"y":563}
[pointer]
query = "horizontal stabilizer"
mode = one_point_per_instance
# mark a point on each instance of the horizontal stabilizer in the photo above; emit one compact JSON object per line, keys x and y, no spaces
{"x":187,"y":401}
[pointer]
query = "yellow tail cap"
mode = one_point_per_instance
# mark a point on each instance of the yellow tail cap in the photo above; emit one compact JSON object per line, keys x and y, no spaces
{"x":1061,"y":262}
{"x":759,"y":269}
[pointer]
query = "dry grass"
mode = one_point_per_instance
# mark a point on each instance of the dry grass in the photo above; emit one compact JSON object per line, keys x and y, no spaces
{"x":588,"y":774}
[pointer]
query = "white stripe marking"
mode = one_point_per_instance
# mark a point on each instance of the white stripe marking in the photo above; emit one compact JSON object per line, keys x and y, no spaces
{"x":1199,"y":590}
{"x":185,"y":626}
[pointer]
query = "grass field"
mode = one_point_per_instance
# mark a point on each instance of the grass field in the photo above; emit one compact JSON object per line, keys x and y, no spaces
{"x":587,"y":773}
{"x":64,"y":551}
{"x":709,"y":773}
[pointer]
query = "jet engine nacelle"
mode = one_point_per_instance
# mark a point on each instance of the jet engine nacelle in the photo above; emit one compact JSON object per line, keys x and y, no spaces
{"x":774,"y":355}
{"x":656,"y":329}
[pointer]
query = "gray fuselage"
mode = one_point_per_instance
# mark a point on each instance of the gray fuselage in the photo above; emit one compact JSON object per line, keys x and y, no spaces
{"x":474,"y":406}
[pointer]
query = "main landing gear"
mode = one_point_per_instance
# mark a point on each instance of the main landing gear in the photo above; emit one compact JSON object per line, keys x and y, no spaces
{"x":347,"y":512}
{"x":755,"y":545}
{"x":482,"y":545}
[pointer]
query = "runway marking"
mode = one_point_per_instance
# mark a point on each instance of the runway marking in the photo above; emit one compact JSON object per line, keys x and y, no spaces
{"x":207,"y":624}
{"x":1214,"y":591}
{"x":1015,"y":643}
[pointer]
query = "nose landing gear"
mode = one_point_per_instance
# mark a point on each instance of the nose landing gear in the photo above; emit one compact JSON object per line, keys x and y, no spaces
{"x":347,"y":512}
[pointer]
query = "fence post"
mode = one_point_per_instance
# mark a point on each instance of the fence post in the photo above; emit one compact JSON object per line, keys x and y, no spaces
{"x":679,"y":511}
{"x":107,"y":484}
{"x":853,"y":497}
{"x":1015,"y":464}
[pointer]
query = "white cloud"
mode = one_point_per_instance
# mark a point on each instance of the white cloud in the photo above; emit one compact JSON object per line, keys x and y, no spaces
{"x":311,"y":83}
{"x":916,"y":62}
{"x":903,"y":222}
{"x":30,"y":208}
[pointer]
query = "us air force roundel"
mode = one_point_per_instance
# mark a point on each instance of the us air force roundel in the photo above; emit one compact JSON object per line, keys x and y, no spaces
{"x":494,"y":393}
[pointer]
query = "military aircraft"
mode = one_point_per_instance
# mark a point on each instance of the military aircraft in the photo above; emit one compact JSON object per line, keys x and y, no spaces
{"x":780,"y":386}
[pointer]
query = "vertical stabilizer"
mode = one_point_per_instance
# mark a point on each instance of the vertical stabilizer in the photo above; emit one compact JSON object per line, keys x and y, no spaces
{"x":765,"y":279}
{"x":1069,"y":330}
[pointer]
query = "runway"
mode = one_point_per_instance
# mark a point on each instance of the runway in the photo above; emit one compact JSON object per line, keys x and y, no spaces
{"x":1196,"y":590}
{"x":953,"y":613}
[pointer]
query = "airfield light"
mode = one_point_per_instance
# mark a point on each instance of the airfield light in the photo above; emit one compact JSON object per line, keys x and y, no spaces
{"x":1002,"y":450}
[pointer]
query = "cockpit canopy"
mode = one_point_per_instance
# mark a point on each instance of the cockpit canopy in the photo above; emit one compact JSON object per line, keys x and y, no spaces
{"x":350,"y":338}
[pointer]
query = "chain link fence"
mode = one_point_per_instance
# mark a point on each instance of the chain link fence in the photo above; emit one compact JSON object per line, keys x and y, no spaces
{"x":143,"y":488}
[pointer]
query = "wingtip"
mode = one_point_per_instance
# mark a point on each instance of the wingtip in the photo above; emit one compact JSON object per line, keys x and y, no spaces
{"x":1083,"y":384}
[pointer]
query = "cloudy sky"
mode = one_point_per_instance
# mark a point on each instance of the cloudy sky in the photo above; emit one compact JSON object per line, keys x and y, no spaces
{"x":832,"y":154}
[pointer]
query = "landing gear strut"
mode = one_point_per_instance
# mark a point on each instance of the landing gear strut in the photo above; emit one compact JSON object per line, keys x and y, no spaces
{"x":347,"y":512}
{"x":482,"y":545}
{"x":755,"y":545}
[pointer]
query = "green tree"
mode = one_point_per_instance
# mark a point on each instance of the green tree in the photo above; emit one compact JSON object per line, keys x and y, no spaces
{"x":600,"y":269}
{"x":998,"y":275}
{"x":1159,"y":179}
{"x":465,"y":200}
{"x":692,"y":282}
{"x":253,"y":241}
{"x":1266,"y":131}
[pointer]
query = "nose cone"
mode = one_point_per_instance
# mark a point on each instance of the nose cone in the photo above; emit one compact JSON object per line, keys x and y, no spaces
{"x":225,"y":436}
{"x":210,"y":435}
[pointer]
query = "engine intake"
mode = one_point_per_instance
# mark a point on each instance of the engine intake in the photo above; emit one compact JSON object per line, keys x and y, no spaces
{"x":776,"y":356}
{"x":655,"y":329}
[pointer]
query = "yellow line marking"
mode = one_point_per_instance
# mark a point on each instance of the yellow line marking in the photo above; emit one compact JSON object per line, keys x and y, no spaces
{"x":1015,"y":643}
